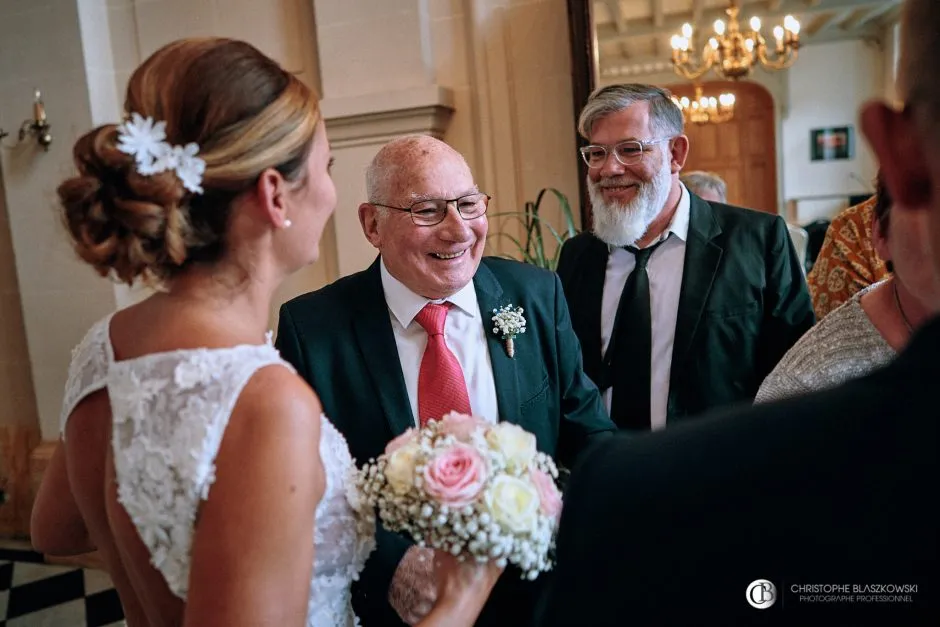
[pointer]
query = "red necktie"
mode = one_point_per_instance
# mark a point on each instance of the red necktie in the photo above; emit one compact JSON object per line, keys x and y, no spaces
{"x":441,"y":387}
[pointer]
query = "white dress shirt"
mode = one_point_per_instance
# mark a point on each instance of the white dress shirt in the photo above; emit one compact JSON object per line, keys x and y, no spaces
{"x":665,"y":269}
{"x":463,"y":333}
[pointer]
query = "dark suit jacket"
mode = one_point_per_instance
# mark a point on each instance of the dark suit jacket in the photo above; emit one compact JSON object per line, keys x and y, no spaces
{"x":340,"y":340}
{"x":743,"y":304}
{"x":838,"y":487}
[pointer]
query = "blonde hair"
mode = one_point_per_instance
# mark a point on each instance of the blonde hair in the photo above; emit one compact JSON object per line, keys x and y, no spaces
{"x":246,"y":113}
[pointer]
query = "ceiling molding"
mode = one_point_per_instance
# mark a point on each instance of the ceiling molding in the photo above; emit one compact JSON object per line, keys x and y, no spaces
{"x":616,"y":14}
{"x":818,"y":24}
{"x":856,"y":18}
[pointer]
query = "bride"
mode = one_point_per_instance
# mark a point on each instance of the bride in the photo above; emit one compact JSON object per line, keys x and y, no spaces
{"x":192,"y":457}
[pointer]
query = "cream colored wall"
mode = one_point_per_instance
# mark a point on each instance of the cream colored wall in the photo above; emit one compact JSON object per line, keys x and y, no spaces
{"x":854,"y":68}
{"x":18,"y":406}
{"x":501,"y":66}
{"x":282,"y":29}
{"x":81,"y":55}
{"x":61,"y":297}
{"x":504,"y":67}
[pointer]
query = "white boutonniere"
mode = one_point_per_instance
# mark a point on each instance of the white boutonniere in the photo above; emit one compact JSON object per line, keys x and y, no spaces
{"x":509,"y":322}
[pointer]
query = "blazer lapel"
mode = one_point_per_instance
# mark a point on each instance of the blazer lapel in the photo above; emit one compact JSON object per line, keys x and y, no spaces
{"x":702,"y":257}
{"x":586,"y":297}
{"x":377,"y":348}
{"x":490,"y":297}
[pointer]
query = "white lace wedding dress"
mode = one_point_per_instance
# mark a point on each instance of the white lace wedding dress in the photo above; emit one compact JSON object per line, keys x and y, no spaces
{"x":170,"y":411}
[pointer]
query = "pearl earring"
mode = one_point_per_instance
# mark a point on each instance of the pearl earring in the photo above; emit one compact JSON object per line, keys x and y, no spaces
{"x":287,"y":223}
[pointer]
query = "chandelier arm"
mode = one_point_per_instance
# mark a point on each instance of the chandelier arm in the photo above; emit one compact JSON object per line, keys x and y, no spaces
{"x":779,"y":61}
{"x":685,"y":67}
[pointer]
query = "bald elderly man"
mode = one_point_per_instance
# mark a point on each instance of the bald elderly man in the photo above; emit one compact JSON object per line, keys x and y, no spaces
{"x":363,"y":344}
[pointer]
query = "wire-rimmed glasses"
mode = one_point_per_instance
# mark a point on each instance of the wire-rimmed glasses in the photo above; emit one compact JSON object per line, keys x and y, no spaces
{"x":627,"y":152}
{"x":433,"y":211}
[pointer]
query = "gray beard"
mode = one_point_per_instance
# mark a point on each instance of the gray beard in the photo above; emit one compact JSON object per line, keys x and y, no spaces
{"x":619,"y":224}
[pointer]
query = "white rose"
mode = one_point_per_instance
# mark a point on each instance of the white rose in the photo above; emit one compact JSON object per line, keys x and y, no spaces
{"x":400,"y":468}
{"x":514,"y":503}
{"x":515,"y":444}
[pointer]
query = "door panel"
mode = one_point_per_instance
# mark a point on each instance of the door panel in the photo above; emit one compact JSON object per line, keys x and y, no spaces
{"x":743,"y":150}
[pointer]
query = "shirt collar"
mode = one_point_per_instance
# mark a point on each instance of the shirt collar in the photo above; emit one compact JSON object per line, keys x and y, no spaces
{"x":405,"y":304}
{"x":680,"y":220}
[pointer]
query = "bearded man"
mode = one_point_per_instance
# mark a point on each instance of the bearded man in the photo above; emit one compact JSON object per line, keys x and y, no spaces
{"x":680,"y":304}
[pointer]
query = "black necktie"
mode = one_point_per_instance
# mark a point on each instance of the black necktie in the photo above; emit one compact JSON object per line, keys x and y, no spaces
{"x":629,"y":351}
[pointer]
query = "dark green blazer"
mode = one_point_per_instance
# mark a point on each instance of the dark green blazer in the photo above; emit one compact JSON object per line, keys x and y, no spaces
{"x":743,"y":303}
{"x":340,"y":340}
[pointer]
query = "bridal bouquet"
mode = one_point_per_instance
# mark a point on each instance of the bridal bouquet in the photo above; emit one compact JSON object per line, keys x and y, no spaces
{"x":478,"y":490}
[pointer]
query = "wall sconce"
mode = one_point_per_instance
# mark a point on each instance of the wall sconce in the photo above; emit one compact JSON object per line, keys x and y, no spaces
{"x":38,"y":126}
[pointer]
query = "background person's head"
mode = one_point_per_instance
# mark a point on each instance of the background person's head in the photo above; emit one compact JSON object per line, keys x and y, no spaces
{"x":907,"y":141}
{"x":266,"y":156}
{"x":706,"y":185}
{"x":636,"y":152}
{"x":435,"y":248}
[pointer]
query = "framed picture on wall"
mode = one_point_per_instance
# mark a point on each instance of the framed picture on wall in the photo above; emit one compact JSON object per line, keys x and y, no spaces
{"x":832,"y":144}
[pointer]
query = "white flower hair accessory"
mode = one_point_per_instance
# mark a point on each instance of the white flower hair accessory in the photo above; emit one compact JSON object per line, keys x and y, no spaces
{"x":145,"y":139}
{"x":509,"y":322}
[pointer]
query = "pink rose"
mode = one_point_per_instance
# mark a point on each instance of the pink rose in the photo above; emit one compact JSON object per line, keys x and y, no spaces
{"x":405,"y":438}
{"x":456,"y":476}
{"x":549,"y":496}
{"x":460,"y":425}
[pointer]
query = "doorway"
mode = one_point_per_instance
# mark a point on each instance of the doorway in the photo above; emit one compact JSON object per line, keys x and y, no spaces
{"x":743,"y":150}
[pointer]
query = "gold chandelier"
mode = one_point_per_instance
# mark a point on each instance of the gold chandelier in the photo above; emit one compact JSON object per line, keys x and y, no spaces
{"x":706,"y":109}
{"x":733,"y":53}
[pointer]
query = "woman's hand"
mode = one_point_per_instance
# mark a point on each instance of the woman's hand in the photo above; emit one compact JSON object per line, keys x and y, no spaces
{"x":463,"y":585}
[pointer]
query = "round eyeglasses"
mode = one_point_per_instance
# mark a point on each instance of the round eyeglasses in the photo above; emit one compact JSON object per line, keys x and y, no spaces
{"x":628,"y":152}
{"x":433,"y":211}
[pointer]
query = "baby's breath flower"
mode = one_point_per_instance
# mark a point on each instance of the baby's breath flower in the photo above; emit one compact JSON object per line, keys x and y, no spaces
{"x":472,"y":530}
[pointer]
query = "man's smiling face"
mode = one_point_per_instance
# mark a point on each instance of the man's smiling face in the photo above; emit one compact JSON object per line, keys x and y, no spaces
{"x":432,"y":261}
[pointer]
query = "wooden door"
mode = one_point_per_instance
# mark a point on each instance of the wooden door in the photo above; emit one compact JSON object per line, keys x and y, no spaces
{"x":743,"y":150}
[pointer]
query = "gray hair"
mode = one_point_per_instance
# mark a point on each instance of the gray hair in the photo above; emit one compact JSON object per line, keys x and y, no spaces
{"x":665,"y":117}
{"x":699,"y":180}
{"x":920,"y":38}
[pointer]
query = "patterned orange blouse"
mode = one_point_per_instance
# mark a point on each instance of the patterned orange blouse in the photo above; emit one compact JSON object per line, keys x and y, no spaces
{"x":847,"y":261}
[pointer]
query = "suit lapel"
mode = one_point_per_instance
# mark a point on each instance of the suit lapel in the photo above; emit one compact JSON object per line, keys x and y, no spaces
{"x":702,"y":257}
{"x":586,"y":296}
{"x":377,"y":348}
{"x":489,"y":297}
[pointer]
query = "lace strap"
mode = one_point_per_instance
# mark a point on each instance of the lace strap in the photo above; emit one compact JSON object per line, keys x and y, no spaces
{"x":238,"y":381}
{"x":88,"y":370}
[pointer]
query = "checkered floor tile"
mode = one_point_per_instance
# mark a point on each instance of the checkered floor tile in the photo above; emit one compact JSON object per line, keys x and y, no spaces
{"x":36,"y":594}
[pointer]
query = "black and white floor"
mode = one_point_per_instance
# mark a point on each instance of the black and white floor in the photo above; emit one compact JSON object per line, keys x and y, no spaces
{"x":36,"y":594}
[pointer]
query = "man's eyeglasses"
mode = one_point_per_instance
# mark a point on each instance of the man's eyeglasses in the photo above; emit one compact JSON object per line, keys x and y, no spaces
{"x":627,"y":152}
{"x":431,"y":212}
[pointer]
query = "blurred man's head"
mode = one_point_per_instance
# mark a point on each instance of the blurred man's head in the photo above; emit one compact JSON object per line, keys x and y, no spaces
{"x":706,"y":185}
{"x":907,"y":141}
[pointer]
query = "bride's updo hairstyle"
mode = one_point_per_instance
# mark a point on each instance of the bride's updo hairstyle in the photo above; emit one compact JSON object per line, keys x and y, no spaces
{"x":245,"y":112}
